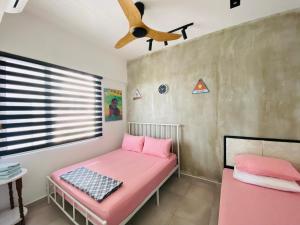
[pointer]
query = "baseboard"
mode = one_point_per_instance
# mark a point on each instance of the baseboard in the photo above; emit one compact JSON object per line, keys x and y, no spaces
{"x":199,"y":177}
{"x":37,"y":201}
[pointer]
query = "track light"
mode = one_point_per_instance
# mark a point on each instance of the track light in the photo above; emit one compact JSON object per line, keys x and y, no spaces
{"x":183,"y":31}
{"x":150,"y":44}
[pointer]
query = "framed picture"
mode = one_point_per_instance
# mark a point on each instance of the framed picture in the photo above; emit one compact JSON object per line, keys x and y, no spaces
{"x":112,"y":104}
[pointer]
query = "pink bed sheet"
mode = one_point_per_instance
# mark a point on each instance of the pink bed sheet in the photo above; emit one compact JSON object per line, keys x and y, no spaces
{"x":140,"y":174}
{"x":245,"y":204}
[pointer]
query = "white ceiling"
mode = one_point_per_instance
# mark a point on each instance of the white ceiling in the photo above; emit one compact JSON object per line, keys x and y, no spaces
{"x":103,"y":22}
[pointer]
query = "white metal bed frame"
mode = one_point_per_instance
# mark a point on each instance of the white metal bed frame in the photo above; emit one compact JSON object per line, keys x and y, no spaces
{"x":147,"y":129}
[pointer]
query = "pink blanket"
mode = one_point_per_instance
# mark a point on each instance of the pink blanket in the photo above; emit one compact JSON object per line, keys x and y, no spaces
{"x":139,"y":172}
{"x":245,"y":204}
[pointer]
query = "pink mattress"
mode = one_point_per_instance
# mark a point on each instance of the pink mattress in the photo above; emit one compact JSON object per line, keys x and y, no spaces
{"x":245,"y":204}
{"x":140,"y":174}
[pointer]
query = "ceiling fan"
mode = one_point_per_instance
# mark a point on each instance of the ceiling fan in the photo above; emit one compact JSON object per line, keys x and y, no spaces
{"x":137,"y":29}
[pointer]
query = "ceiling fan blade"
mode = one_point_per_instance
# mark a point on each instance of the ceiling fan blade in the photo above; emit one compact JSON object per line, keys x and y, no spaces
{"x":162,"y":36}
{"x":131,"y":12}
{"x":125,"y":40}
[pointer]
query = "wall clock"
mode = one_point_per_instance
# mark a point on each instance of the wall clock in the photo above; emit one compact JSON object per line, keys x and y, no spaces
{"x":163,"y":89}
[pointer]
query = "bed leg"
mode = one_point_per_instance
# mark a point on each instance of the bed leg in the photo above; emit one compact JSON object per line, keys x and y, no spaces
{"x":48,"y":192}
{"x":157,"y":197}
{"x":178,"y":173}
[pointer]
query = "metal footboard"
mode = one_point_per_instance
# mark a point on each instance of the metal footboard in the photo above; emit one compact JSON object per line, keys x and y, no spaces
{"x":76,"y":205}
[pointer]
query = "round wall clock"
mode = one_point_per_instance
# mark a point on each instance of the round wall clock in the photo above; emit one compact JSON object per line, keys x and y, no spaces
{"x":163,"y":89}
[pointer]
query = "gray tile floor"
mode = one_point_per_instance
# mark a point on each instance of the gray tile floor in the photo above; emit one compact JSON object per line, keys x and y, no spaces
{"x":184,"y":201}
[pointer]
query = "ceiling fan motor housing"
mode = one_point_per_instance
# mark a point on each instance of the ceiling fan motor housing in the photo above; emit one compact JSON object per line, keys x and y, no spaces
{"x":139,"y":32}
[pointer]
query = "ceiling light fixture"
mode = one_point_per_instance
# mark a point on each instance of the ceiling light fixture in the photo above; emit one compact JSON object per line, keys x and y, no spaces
{"x":183,"y":31}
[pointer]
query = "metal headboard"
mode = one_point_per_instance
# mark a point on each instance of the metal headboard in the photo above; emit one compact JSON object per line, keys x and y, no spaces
{"x":278,"y":148}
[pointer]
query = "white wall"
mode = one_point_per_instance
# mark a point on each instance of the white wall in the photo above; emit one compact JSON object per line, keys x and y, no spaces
{"x":28,"y":36}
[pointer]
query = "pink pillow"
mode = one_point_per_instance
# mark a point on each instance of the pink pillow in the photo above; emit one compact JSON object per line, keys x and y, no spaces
{"x":157,"y":147}
{"x":133,"y":143}
{"x":265,"y":166}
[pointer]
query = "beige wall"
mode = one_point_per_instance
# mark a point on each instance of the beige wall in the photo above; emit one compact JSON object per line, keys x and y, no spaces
{"x":253,"y":73}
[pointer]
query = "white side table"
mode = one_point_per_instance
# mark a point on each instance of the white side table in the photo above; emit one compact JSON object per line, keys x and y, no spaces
{"x":17,"y":214}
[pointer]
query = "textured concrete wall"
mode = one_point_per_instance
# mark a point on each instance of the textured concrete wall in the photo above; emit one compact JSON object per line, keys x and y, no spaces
{"x":253,"y":73}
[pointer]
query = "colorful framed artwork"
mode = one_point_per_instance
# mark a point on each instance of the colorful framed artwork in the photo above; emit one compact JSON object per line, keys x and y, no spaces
{"x":200,"y":88}
{"x":112,"y":104}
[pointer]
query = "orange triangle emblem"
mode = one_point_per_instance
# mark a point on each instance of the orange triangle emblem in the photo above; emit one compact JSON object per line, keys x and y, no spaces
{"x":200,"y":88}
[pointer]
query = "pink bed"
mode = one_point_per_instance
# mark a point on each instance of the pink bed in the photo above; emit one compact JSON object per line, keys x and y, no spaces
{"x":245,"y":204}
{"x":140,"y":174}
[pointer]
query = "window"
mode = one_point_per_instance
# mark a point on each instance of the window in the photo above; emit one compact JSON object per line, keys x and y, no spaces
{"x":43,"y":105}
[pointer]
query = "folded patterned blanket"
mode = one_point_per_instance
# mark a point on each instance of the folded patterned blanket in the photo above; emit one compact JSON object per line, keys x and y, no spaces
{"x":10,"y":175}
{"x":95,"y":185}
{"x":8,"y":166}
{"x":9,"y":172}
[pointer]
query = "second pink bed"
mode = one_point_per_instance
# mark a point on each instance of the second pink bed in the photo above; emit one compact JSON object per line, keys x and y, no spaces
{"x":245,"y":204}
{"x":140,"y":174}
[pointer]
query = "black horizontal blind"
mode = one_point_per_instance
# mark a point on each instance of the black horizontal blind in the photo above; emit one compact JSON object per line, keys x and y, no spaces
{"x":43,"y":105}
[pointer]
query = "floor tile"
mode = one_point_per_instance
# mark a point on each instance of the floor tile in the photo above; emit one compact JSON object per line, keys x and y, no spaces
{"x":177,"y":185}
{"x":183,"y":201}
{"x":181,"y":221}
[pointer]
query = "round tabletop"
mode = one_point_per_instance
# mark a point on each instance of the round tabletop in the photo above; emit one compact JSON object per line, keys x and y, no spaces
{"x":12,"y":179}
